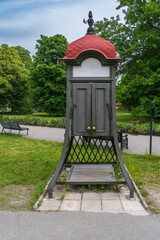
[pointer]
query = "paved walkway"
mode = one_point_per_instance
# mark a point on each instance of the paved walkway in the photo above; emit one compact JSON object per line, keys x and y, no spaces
{"x":77,"y":226}
{"x":75,"y":201}
{"x":138,"y":144}
{"x":46,"y":133}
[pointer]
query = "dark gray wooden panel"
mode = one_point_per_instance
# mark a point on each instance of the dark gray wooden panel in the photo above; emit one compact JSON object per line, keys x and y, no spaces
{"x":100,"y":106}
{"x":81,"y":116}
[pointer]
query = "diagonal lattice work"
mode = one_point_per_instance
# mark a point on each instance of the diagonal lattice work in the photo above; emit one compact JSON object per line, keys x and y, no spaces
{"x":88,"y":150}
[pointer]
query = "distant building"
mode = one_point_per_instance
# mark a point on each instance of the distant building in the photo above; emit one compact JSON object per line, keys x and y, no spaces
{"x":117,"y":104}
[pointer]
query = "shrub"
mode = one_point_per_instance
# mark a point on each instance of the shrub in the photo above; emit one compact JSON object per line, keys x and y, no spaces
{"x":35,"y":121}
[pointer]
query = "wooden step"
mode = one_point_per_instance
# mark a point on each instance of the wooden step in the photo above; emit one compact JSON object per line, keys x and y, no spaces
{"x":91,"y":174}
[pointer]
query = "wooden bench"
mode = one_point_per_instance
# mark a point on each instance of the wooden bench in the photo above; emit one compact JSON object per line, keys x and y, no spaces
{"x":13,"y":126}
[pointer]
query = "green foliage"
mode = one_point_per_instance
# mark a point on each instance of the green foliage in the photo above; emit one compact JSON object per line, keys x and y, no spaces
{"x":140,"y":88}
{"x":35,"y":121}
{"x":25,"y":56}
{"x":13,"y":81}
{"x":138,"y":127}
{"x":27,"y":61}
{"x":137,"y":42}
{"x":48,"y":75}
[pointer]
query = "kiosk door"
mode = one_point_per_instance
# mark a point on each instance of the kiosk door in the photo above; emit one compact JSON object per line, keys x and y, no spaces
{"x":92,"y":112}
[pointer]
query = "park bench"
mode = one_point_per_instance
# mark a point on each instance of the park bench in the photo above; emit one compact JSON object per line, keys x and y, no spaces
{"x":13,"y":126}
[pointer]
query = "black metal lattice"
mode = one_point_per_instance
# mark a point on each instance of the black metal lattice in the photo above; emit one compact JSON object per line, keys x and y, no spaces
{"x":87,"y":150}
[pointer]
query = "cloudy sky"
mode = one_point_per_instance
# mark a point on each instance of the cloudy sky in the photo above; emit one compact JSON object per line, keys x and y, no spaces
{"x":23,"y":21}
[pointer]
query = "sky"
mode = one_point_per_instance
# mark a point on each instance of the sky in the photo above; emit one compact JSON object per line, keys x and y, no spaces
{"x":23,"y":21}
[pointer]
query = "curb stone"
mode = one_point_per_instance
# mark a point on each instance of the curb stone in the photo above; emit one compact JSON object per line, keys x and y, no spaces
{"x":142,"y":200}
{"x":35,"y":207}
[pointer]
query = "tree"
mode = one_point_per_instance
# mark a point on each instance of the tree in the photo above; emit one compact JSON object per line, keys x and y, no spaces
{"x":25,"y":56}
{"x":137,"y":42}
{"x":13,"y":81}
{"x":48,"y":75}
{"x":27,"y":61}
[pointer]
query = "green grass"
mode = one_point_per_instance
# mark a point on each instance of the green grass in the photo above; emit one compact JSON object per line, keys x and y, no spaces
{"x":125,"y":116}
{"x":27,"y":162}
{"x":26,"y":165}
{"x":145,"y":171}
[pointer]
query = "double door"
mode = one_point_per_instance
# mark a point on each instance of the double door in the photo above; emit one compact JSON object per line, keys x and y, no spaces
{"x":91,"y":109}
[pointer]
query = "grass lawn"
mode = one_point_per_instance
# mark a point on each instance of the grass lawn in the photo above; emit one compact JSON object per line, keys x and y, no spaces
{"x":122,"y":116}
{"x":26,"y":165}
{"x":125,"y":116}
{"x":145,"y":171}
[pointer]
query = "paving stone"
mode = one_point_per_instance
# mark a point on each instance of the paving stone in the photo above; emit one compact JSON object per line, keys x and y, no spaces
{"x":58,"y":191}
{"x":124,"y":197}
{"x":91,"y":196}
{"x":110,"y":195}
{"x":70,"y":205}
{"x":72,"y":196}
{"x":112,"y":206}
{"x":91,"y":206}
{"x":49,"y":205}
{"x":129,"y":205}
{"x":125,"y":194}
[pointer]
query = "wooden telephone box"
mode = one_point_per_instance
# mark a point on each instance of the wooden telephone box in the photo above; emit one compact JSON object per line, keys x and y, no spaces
{"x":91,"y":143}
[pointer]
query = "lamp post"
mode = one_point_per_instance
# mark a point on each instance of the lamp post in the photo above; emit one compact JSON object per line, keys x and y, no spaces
{"x":153,"y":114}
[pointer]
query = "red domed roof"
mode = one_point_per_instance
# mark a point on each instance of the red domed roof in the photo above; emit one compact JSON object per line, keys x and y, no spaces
{"x":91,"y":42}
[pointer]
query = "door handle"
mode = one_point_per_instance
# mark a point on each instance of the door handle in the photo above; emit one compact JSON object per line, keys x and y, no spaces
{"x":91,"y":128}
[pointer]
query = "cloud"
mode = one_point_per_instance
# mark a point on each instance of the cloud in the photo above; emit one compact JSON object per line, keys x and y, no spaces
{"x":28,"y":19}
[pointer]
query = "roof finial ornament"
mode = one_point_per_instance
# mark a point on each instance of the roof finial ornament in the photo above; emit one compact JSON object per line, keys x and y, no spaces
{"x":90,"y":22}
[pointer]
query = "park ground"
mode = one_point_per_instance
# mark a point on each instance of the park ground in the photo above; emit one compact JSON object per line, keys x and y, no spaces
{"x":28,"y":164}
